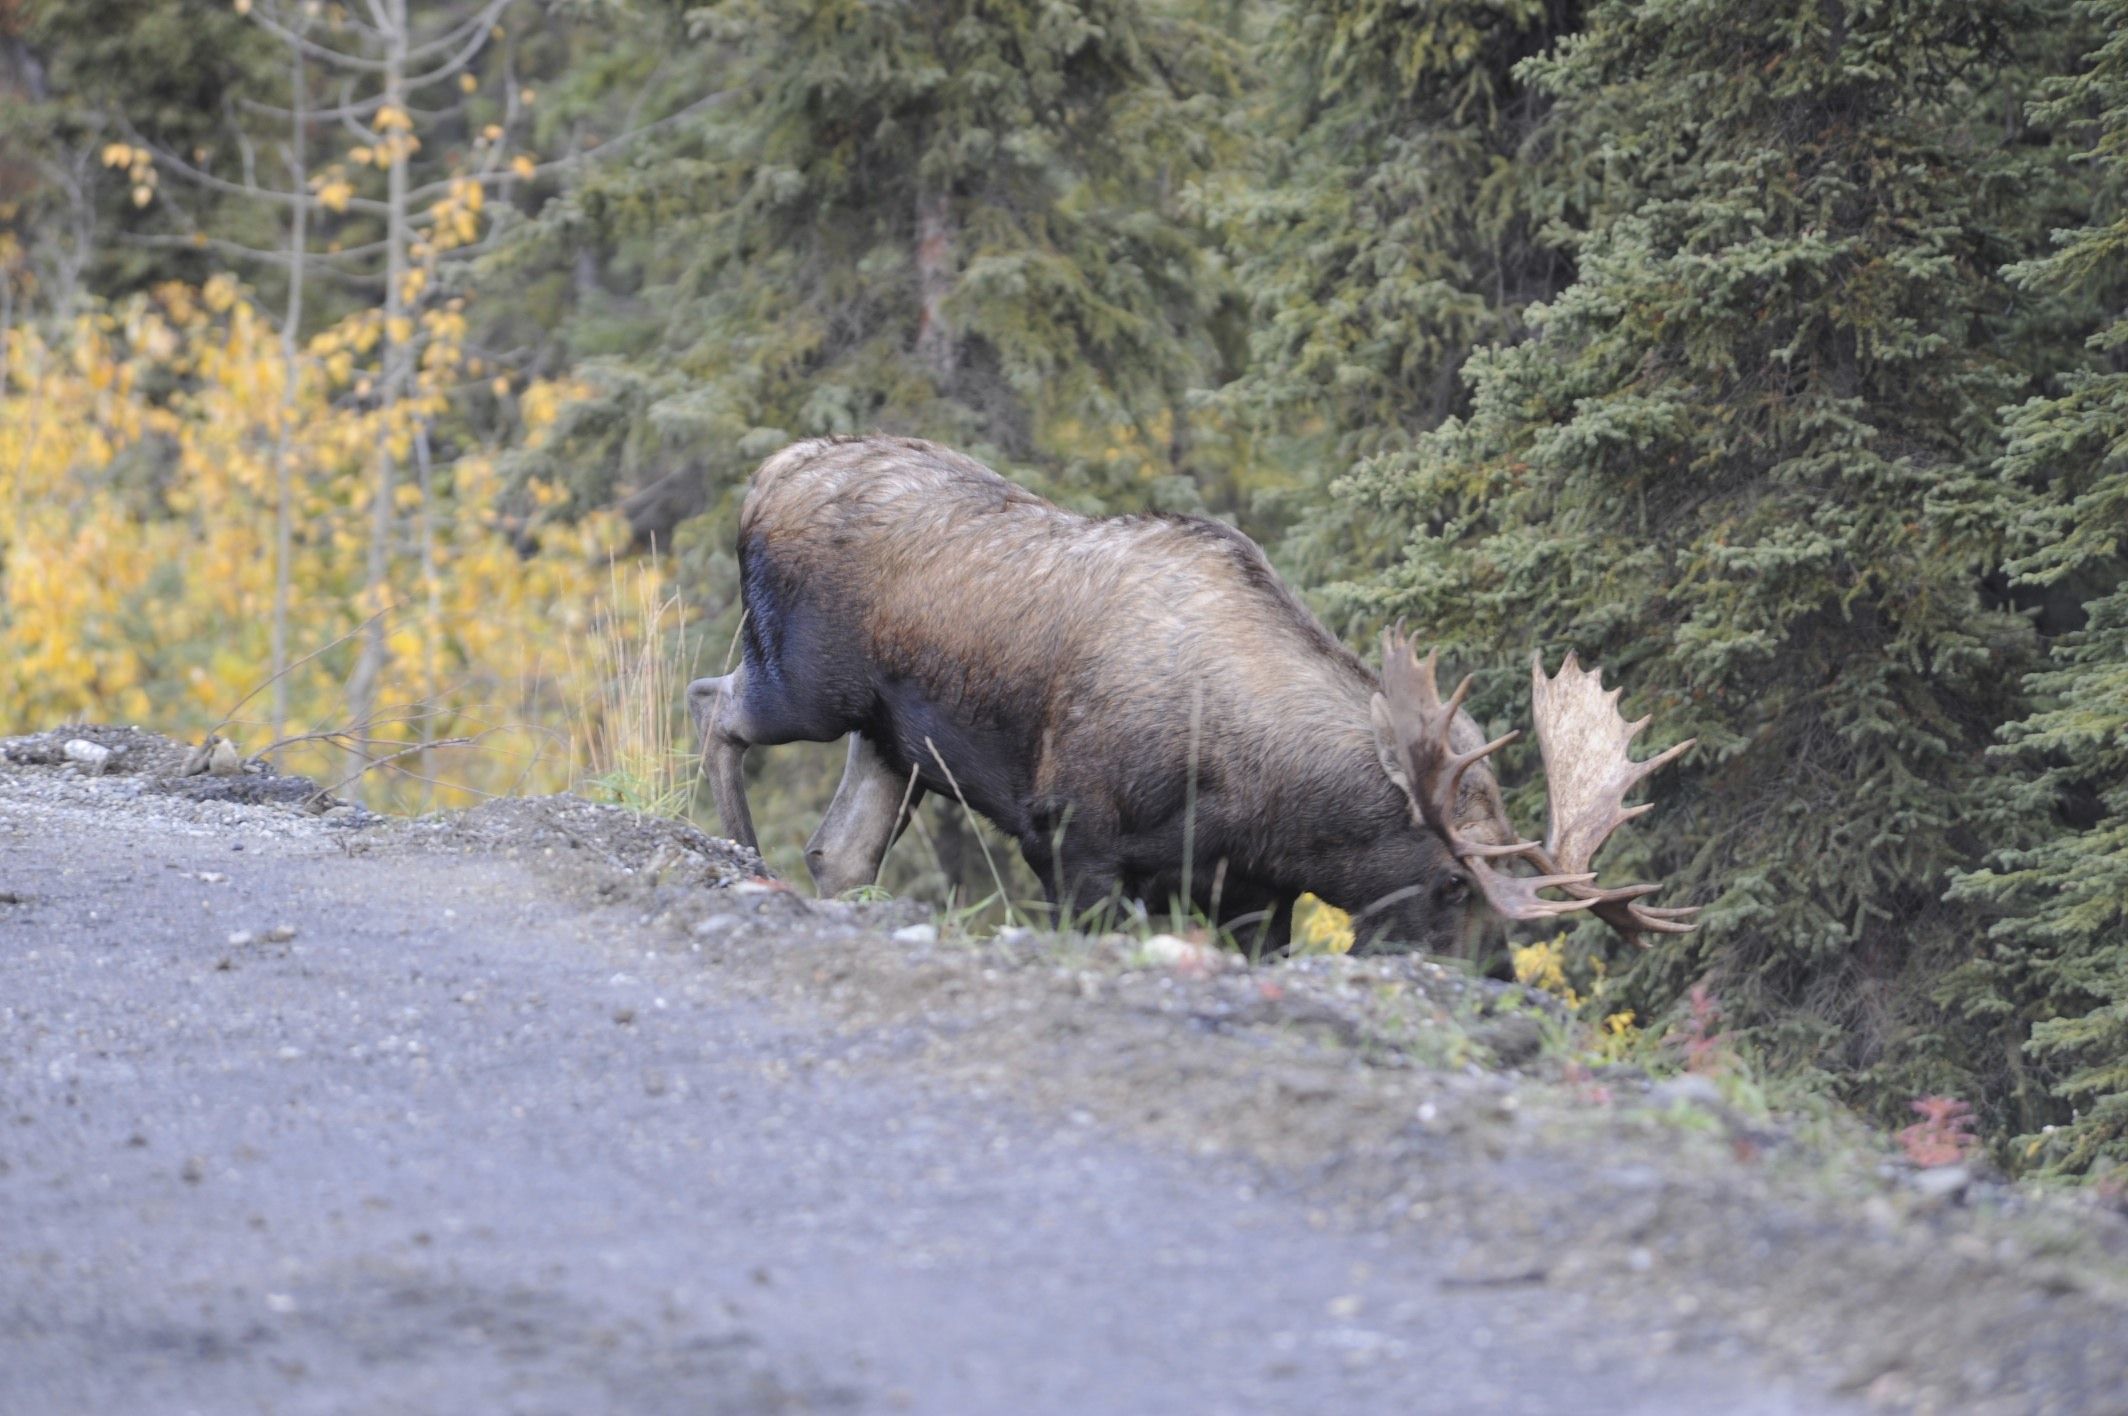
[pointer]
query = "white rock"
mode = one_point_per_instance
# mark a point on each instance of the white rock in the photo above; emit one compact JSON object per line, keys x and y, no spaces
{"x":222,"y":759}
{"x":1173,"y":951}
{"x":92,"y":755}
{"x":1943,"y":1182}
{"x":916,"y":934}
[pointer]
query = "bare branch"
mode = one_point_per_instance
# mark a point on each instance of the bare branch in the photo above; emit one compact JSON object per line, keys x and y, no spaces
{"x":563,"y":164}
{"x":201,"y":242}
{"x":351,"y":109}
{"x":213,"y":183}
{"x":339,"y":58}
{"x":321,"y":649}
{"x":476,"y":27}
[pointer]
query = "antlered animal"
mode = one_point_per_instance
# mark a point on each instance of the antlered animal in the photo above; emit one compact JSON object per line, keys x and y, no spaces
{"x":1140,"y":703}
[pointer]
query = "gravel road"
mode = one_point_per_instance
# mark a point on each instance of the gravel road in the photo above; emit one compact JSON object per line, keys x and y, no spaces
{"x":460,"y":1142}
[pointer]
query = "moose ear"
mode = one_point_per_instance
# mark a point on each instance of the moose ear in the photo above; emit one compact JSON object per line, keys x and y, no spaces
{"x":1386,"y":747}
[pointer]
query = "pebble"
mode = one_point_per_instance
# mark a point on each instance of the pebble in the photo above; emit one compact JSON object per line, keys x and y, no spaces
{"x":1691,"y":1089}
{"x":95,"y":756}
{"x":916,"y":934}
{"x":1173,"y":951}
{"x":1947,"y":1183}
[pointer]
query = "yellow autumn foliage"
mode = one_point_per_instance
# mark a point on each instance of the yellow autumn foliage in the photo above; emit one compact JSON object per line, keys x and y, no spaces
{"x":140,"y":457}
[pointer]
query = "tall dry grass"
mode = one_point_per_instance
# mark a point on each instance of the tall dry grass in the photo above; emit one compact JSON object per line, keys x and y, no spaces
{"x":632,"y":743}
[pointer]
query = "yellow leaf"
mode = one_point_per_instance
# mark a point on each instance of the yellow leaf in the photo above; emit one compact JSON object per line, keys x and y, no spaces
{"x":333,"y":193}
{"x":390,"y":118}
{"x":399,"y":329}
{"x":361,"y":155}
{"x":117,"y":155}
{"x":243,"y":7}
{"x":142,"y":195}
{"x":493,"y":132}
{"x":523,"y":166}
{"x":1319,"y":925}
{"x":467,"y":83}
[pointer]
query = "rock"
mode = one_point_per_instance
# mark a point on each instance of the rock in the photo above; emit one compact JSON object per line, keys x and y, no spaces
{"x":916,"y":934}
{"x":196,"y":759}
{"x":1187,"y":955}
{"x":1945,"y":1184}
{"x":242,"y":939}
{"x":222,"y":760}
{"x":92,"y":755}
{"x":281,"y":933}
{"x":715,"y":925}
{"x":1691,"y":1089}
{"x":1513,"y":1040}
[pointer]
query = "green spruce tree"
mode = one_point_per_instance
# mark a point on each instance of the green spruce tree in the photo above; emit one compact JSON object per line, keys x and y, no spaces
{"x":2058,"y":958}
{"x":952,"y":219}
{"x":1397,"y":221}
{"x":1746,"y":463}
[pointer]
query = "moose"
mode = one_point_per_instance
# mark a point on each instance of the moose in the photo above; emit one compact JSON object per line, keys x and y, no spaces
{"x":1143,"y":706}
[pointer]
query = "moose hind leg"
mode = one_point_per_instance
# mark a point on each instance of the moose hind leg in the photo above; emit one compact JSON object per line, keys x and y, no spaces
{"x":865,"y":818}
{"x":717,"y":707}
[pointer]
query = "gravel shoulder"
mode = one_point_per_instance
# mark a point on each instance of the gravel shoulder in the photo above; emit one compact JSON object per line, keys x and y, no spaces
{"x":546,"y":1107}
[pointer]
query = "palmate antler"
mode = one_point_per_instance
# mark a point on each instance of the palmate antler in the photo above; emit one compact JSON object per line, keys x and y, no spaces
{"x":1588,"y":772}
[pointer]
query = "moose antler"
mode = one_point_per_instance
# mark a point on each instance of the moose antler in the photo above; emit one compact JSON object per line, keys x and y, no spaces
{"x":1588,"y":772}
{"x":1423,"y":729}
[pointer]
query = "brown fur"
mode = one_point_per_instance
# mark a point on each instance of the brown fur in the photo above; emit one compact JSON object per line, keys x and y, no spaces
{"x":1071,"y":670}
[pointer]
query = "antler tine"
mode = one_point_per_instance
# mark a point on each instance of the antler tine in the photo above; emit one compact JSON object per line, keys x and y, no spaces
{"x":1423,"y":725}
{"x":1516,"y":897}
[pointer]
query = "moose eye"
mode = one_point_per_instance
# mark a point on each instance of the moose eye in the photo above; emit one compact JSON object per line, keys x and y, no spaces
{"x":1452,"y":891}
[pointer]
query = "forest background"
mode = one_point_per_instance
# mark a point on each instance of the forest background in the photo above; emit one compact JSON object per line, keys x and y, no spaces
{"x":379,"y":378}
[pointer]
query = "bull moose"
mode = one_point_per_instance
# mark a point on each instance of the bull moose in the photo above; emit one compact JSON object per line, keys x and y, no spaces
{"x":1142,"y":705}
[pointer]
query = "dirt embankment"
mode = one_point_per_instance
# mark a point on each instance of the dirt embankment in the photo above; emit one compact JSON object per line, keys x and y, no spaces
{"x":1393,"y":1096}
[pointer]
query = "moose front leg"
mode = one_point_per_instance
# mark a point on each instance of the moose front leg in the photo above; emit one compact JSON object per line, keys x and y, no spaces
{"x":870,"y":811}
